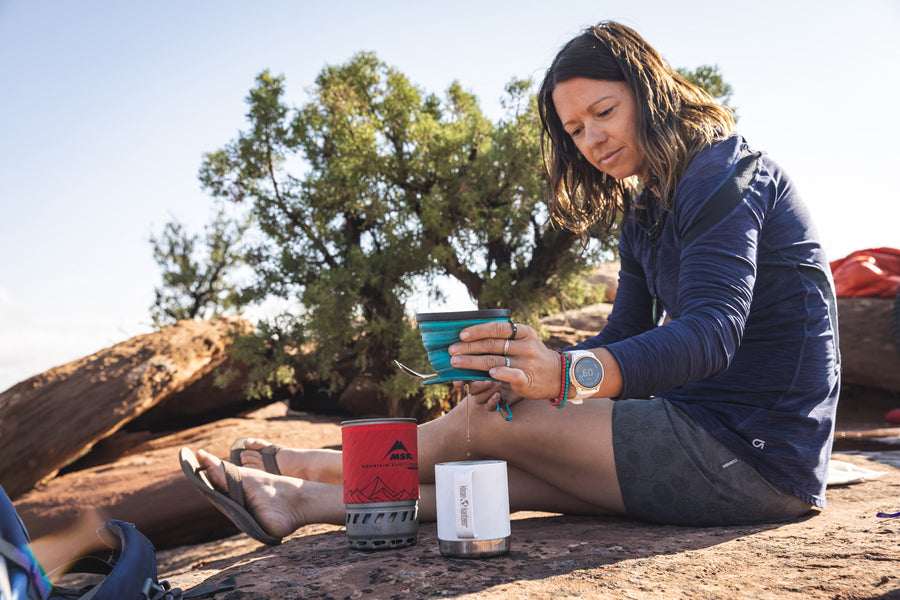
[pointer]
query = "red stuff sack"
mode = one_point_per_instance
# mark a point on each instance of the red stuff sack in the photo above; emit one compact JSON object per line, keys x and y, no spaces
{"x":873,"y":273}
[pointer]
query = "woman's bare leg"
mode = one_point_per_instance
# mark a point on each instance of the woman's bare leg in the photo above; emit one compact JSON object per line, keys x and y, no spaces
{"x":309,"y":464}
{"x":560,"y":460}
{"x":525,"y":493}
{"x":281,"y":504}
{"x":569,"y":450}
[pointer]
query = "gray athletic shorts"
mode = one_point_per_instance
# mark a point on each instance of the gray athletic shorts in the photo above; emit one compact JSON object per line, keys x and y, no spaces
{"x":672,"y":471}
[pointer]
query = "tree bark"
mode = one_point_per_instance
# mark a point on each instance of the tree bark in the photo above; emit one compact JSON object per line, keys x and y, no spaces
{"x":53,"y":418}
{"x":868,"y":353}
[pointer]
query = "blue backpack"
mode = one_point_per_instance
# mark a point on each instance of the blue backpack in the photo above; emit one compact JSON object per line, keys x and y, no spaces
{"x":129,"y":573}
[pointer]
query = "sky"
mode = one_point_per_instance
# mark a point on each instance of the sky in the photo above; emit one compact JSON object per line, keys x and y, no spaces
{"x":107,"y":108}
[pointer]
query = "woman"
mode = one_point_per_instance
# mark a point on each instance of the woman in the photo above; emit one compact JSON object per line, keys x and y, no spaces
{"x":709,"y":397}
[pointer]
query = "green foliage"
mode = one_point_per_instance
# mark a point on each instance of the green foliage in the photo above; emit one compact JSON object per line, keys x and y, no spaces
{"x":365,"y":195}
{"x":371,"y":189}
{"x":195,"y":271}
{"x":270,"y":359}
{"x":710,"y":79}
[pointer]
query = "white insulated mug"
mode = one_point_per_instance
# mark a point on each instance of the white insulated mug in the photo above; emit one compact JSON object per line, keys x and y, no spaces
{"x":472,"y":500}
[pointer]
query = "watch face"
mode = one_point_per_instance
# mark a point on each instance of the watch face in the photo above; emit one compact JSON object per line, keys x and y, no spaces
{"x":588,"y":372}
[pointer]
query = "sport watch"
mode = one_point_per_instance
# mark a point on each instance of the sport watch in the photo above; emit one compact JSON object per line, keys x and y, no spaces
{"x":585,"y":374}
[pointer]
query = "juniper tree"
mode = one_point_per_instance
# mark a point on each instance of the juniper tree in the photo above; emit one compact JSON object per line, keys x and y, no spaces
{"x":371,"y":190}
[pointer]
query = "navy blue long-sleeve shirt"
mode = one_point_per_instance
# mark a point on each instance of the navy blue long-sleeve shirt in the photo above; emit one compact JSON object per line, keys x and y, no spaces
{"x":751,"y":351}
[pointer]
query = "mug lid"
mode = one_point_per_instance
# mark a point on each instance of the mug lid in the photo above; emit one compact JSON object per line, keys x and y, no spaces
{"x":464,"y":315}
{"x":466,"y":463}
{"x":377,"y":421}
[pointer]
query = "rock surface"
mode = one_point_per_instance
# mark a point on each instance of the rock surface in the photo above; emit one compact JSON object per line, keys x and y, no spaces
{"x":570,"y":327}
{"x":607,"y":275}
{"x":844,"y":551}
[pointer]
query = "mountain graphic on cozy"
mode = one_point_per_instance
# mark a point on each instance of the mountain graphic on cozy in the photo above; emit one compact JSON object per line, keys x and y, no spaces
{"x":378,"y":491}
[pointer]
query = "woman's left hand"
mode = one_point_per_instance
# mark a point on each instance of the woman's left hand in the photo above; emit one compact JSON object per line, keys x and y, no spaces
{"x":489,"y":393}
{"x":522,"y":362}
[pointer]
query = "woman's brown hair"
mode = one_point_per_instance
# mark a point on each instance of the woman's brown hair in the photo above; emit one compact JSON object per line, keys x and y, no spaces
{"x":676,"y":119}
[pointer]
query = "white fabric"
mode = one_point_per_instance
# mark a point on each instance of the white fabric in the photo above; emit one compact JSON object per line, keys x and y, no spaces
{"x":843,"y":473}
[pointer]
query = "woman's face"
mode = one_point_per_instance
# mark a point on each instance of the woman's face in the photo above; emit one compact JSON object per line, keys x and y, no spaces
{"x":601,"y":118}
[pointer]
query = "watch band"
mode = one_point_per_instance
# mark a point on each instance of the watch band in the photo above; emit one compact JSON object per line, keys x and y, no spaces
{"x":585,"y":374}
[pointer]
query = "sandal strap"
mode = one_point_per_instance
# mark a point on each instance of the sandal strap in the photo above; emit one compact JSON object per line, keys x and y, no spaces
{"x":236,"y":448}
{"x":269,"y":461}
{"x":267,"y":453}
{"x":234,"y":480}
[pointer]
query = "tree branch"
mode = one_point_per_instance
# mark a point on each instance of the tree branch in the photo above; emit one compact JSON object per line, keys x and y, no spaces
{"x":282,"y":205}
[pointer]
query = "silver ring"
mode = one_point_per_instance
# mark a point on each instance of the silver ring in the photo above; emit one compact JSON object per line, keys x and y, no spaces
{"x":506,"y":348}
{"x":507,"y":362}
{"x":515,"y":330}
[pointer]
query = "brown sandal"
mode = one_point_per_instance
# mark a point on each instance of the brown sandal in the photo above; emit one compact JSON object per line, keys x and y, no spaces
{"x":268,"y":455}
{"x":230,"y":503}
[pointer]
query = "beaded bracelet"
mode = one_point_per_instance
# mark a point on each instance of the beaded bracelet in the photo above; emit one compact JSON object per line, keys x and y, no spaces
{"x":566,"y":375}
{"x":563,"y":381}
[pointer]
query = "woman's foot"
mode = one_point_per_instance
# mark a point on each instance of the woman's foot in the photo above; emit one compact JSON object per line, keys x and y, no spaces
{"x":312,"y":465}
{"x":274,"y":502}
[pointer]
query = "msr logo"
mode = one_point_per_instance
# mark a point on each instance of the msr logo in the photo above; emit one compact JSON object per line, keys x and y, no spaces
{"x":759,"y":444}
{"x":398,"y":452}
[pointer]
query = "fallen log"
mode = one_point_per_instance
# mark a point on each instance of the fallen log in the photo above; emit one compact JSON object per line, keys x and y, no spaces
{"x":881,"y":432}
{"x":53,"y":418}
{"x":146,"y":486}
{"x":869,"y":353}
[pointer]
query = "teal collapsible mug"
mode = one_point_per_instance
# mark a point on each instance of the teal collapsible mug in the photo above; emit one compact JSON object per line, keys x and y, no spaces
{"x":440,"y":329}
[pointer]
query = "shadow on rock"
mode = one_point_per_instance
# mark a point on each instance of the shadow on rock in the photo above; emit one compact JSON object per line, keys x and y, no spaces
{"x":320,"y":565}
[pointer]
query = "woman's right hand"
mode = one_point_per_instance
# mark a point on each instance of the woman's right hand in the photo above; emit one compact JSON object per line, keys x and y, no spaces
{"x":515,"y":356}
